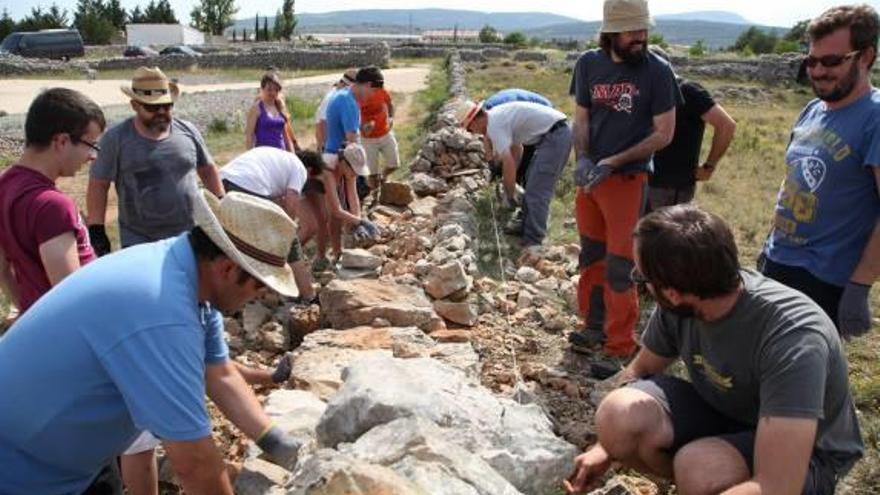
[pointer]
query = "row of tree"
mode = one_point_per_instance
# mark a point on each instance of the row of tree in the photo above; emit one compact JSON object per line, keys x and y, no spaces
{"x":99,"y":20}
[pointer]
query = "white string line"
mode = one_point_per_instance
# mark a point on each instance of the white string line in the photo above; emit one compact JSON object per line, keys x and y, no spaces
{"x":508,"y":341}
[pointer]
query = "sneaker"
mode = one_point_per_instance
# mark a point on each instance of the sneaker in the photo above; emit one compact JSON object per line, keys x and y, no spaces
{"x":515,"y":224}
{"x":587,"y":341}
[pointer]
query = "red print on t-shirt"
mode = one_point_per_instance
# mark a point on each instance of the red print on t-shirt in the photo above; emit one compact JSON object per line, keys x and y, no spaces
{"x":619,"y":96}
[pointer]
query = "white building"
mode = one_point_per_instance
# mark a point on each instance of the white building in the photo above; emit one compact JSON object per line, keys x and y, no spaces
{"x":162,"y":34}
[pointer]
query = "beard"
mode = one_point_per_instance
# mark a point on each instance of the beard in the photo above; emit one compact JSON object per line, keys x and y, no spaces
{"x":680,"y":310}
{"x":840,"y":90}
{"x":632,"y":53}
{"x":159,"y":123}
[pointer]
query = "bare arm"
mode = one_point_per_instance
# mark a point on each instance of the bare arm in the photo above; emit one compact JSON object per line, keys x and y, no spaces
{"x":199,"y":466}
{"x":7,"y":279}
{"x":868,"y":269}
{"x":254,"y":376}
{"x":333,"y":205}
{"x":664,"y":128}
{"x":508,"y":173}
{"x":59,"y":257}
{"x":783,"y":447}
{"x":227,"y":388}
{"x":352,"y":137}
{"x":351,"y":195}
{"x":581,"y":130}
{"x":724,"y":127}
{"x":290,"y":202}
{"x":320,"y":134}
{"x":250,"y":126}
{"x":96,"y":201}
{"x":645,"y":363}
{"x":211,"y":179}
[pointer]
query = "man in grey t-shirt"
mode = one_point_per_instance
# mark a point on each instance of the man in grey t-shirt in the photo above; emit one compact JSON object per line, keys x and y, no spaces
{"x":767,"y":405}
{"x":153,"y":159}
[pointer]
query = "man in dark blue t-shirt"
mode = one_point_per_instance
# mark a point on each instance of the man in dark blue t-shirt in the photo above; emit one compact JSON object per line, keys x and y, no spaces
{"x":625,"y":112}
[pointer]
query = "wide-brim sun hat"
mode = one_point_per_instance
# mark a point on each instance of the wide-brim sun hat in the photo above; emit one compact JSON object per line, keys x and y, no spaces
{"x":620,"y":16}
{"x":466,"y":111}
{"x":356,"y":156}
{"x":255,"y":233}
{"x":151,"y":86}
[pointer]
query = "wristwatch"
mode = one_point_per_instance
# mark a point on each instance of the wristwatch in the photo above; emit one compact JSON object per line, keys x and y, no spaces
{"x":708,"y":166}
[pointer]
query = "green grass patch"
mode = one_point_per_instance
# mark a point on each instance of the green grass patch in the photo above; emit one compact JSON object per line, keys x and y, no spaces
{"x":301,"y":108}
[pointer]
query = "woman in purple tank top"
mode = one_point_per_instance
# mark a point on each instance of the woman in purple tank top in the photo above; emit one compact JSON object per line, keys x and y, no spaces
{"x":268,"y":123}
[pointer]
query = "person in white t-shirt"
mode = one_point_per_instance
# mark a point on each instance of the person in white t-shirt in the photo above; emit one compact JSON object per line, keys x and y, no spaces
{"x":279,"y":176}
{"x":509,"y":127}
{"x":321,"y":113}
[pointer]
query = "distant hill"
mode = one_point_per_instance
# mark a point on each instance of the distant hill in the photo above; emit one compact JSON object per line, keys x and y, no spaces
{"x":707,"y":16}
{"x":399,"y":21}
{"x":718,"y":33}
{"x":714,"y":34}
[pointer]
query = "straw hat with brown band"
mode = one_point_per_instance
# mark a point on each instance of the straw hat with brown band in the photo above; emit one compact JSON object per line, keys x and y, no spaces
{"x":256,"y":234}
{"x":151,"y":86}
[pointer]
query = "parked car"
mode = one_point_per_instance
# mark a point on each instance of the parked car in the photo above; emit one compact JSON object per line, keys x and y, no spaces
{"x":180,"y":50}
{"x":139,"y":51}
{"x":47,"y":43}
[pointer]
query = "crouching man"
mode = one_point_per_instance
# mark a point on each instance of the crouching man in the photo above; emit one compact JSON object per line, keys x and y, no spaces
{"x":767,"y":408}
{"x":132,"y":342}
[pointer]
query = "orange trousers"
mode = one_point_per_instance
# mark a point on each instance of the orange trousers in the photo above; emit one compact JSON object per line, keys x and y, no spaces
{"x":606,"y":218}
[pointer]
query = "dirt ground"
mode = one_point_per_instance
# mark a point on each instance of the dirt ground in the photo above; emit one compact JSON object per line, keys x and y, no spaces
{"x":17,"y":94}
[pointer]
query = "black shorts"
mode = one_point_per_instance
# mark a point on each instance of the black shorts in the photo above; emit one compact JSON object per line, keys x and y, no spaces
{"x":826,"y":295}
{"x":693,"y":418}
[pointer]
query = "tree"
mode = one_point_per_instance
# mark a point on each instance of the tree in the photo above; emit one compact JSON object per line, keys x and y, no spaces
{"x":136,"y":16}
{"x":285,"y":21}
{"x":257,"y":27}
{"x":698,"y":49}
{"x":213,"y":16}
{"x":115,"y":13}
{"x":489,"y":35}
{"x":7,"y":24}
{"x":516,"y":38}
{"x":91,"y":20}
{"x":233,"y":35}
{"x":159,"y":13}
{"x":266,"y":28}
{"x":798,"y":32}
{"x":53,"y":18}
{"x":756,"y":41}
{"x":657,"y":39}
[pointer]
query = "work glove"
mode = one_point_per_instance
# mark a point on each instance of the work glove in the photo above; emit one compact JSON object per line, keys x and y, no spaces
{"x":283,"y":370}
{"x":853,"y":313}
{"x":371,"y":230}
{"x":589,"y":175}
{"x":99,"y":240}
{"x":281,"y":448}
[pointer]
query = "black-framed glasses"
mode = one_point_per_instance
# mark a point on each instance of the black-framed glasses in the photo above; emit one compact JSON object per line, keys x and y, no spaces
{"x":829,"y":60}
{"x":93,"y":146}
{"x":155,"y":108}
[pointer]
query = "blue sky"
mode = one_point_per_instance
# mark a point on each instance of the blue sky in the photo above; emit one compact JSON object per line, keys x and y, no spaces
{"x":777,"y":13}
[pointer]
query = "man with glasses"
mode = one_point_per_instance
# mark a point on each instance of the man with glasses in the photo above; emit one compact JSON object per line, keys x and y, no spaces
{"x":767,"y":407}
{"x":152,"y":158}
{"x":42,"y":236}
{"x":825,"y":240}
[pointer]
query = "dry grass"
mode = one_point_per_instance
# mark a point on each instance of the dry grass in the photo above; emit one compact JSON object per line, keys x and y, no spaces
{"x":743,"y":191}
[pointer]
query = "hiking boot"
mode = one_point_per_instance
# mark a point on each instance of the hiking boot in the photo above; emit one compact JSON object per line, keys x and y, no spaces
{"x":587,"y":341}
{"x":607,"y":366}
{"x":515,"y":224}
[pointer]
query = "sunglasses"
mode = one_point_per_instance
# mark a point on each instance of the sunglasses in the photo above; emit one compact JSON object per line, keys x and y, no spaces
{"x":93,"y":146}
{"x":829,"y":60}
{"x":155,"y":108}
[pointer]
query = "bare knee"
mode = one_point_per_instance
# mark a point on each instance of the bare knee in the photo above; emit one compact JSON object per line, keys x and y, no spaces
{"x":708,"y":466}
{"x":630,"y":421}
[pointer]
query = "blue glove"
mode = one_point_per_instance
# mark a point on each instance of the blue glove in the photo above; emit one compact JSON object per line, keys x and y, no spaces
{"x":581,"y":169}
{"x":853,"y":313}
{"x":597,"y":175}
{"x":370,"y":228}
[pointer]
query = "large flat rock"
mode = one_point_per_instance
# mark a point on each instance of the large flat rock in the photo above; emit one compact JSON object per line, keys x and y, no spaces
{"x":353,"y":303}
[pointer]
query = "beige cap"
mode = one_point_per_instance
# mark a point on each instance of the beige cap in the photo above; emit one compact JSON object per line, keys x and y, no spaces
{"x":255,"y":233}
{"x":151,"y":86}
{"x":356,"y":156}
{"x":465,"y":111}
{"x":620,"y":16}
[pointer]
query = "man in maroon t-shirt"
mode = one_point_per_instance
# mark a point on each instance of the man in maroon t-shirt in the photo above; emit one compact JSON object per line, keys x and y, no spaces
{"x":42,"y":236}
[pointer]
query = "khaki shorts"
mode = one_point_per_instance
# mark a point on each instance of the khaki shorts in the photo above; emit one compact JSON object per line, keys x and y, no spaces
{"x":386,"y":146}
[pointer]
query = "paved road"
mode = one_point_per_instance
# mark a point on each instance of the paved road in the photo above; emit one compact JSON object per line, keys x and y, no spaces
{"x":17,"y":94}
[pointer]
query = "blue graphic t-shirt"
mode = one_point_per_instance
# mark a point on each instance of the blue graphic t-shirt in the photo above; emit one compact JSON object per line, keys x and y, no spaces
{"x":829,"y":204}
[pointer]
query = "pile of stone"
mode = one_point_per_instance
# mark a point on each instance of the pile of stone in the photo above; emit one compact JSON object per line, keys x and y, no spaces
{"x":531,"y":56}
{"x":13,"y":65}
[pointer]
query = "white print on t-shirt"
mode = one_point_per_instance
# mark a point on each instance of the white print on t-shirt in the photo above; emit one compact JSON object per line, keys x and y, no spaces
{"x":813,"y":170}
{"x":618,"y":96}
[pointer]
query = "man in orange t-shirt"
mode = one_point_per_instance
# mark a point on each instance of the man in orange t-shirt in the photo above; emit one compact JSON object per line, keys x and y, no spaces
{"x":377,"y":120}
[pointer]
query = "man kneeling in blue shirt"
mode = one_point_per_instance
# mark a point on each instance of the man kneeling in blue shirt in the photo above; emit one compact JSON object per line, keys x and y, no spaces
{"x":131,"y":343}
